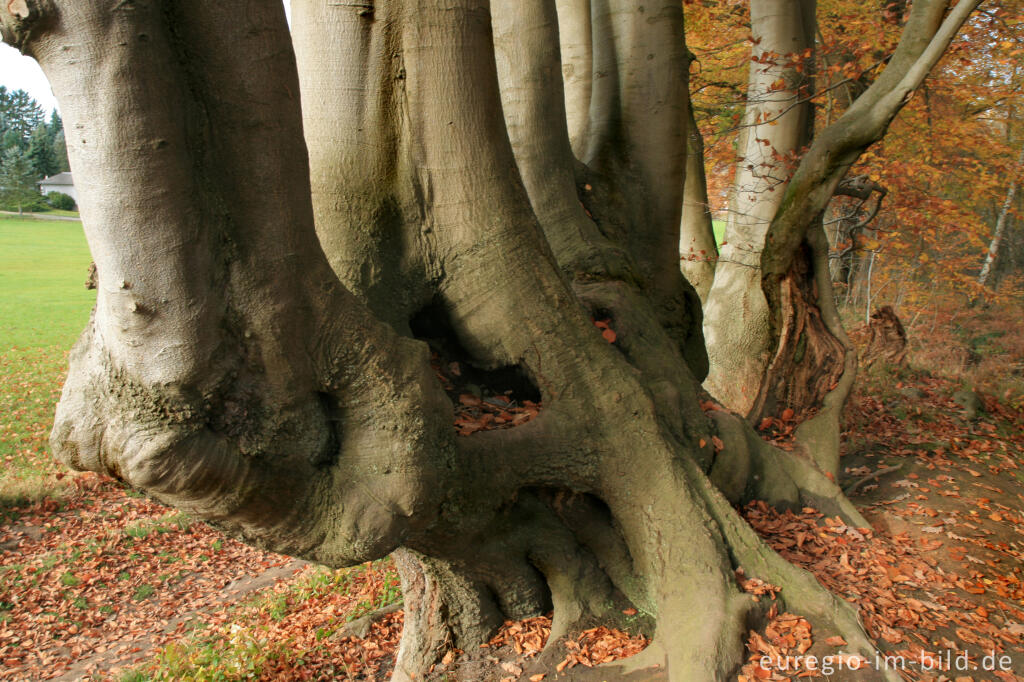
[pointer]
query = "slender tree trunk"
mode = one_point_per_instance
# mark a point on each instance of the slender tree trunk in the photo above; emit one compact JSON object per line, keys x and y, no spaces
{"x":576,"y":43}
{"x":697,"y":248}
{"x":867,"y":300}
{"x":997,"y":235}
{"x":529,"y":65}
{"x":634,"y":153}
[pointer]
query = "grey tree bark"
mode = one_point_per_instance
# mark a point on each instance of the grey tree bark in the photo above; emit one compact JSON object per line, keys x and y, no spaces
{"x":789,"y":349}
{"x":252,"y":356}
{"x":777,"y":124}
{"x":698,"y":251}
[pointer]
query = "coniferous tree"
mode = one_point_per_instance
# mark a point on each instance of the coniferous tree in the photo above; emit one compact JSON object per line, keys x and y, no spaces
{"x":17,"y":181}
{"x":19,"y":113}
{"x":40,"y":153}
{"x":60,"y":151}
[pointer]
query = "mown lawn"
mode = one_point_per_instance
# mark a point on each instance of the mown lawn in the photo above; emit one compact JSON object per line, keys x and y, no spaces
{"x":44,"y":306}
{"x":43,"y":268}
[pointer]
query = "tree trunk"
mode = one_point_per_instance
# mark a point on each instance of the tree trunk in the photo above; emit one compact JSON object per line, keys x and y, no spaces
{"x":997,"y":235}
{"x":756,"y":356}
{"x":887,"y":339}
{"x":267,"y":380}
{"x":796,"y":226}
{"x":777,"y":123}
{"x":698,"y":252}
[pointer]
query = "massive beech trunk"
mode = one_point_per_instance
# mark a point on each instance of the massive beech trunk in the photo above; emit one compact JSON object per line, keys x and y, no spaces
{"x":253,"y":358}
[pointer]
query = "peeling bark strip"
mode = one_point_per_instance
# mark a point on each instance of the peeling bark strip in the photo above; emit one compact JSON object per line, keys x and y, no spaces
{"x":259,"y":349}
{"x":809,"y":359}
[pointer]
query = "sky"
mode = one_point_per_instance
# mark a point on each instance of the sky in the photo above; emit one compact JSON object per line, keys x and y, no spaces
{"x":18,"y":72}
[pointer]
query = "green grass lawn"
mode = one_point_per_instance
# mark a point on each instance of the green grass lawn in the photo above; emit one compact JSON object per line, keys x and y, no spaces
{"x":44,"y":306}
{"x":43,"y":268}
{"x":719,"y":228}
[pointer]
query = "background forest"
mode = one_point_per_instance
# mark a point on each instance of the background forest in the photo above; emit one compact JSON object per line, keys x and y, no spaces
{"x":938,"y":236}
{"x":32,"y":147}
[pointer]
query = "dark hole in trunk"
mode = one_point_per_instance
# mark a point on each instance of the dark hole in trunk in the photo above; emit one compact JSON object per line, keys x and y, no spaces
{"x":459,"y":371}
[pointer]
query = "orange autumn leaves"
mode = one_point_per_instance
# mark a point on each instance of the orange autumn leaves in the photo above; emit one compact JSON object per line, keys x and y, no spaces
{"x":474,"y":414}
{"x":606,"y":331}
{"x":592,"y":647}
{"x":484,"y":409}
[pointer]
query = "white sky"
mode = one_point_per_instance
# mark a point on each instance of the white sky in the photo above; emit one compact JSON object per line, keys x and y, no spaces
{"x":18,"y":72}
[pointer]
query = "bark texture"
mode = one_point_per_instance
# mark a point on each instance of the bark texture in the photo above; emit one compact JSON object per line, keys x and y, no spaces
{"x":257,"y":354}
{"x":777,"y":123}
{"x":698,"y":251}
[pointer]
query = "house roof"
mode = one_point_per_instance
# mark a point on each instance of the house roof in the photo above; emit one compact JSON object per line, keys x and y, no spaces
{"x":58,"y":179}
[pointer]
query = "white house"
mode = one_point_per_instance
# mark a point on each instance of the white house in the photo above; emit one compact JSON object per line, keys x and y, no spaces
{"x":61,"y":182}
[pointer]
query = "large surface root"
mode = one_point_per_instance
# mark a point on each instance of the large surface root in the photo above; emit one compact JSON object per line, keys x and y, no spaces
{"x":748,"y":468}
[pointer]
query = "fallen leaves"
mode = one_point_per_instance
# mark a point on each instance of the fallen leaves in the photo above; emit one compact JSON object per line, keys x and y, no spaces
{"x":781,"y":429}
{"x":482,"y":408}
{"x":474,"y":414}
{"x":601,"y":645}
{"x":527,"y":637}
{"x":905,"y":598}
{"x":606,"y":331}
{"x":755,"y":586}
{"x":104,"y":571}
{"x":781,"y":649}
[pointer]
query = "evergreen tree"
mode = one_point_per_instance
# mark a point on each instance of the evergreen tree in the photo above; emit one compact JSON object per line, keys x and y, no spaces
{"x":60,"y":151}
{"x":17,"y":181}
{"x":41,"y":154}
{"x":20,"y":114}
{"x":10,"y":139}
{"x":55,"y":125}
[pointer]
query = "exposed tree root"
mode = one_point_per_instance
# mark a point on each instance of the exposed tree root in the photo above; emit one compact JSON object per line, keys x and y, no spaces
{"x":800,"y":591}
{"x":444,"y":609}
{"x":748,"y":468}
